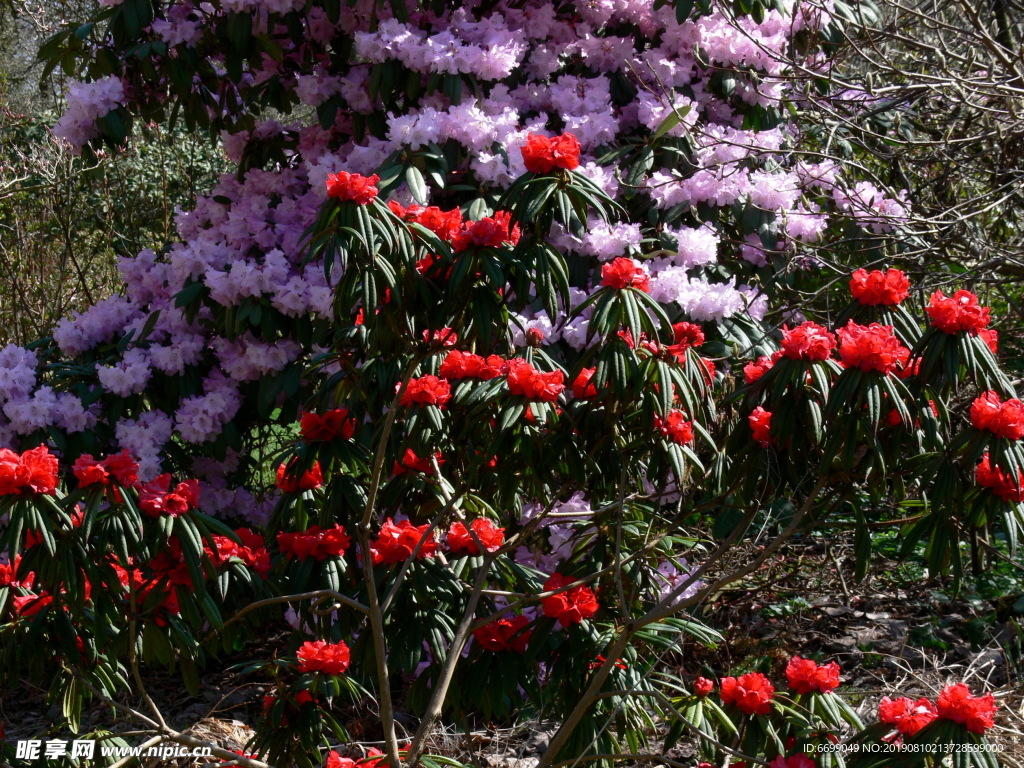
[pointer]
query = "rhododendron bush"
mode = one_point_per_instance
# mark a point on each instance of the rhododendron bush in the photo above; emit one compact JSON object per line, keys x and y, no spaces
{"x":477,"y":375}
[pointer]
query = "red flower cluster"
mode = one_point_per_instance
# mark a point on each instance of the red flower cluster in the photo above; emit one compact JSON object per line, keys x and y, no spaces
{"x":334,"y":760}
{"x":158,"y":498}
{"x":427,"y":390}
{"x":702,"y":686}
{"x":991,"y":338}
{"x":352,"y":186}
{"x":445,"y":337}
{"x":321,"y":656}
{"x":805,"y":676}
{"x":760,"y":422}
{"x":251,"y":551}
{"x":444,"y":224}
{"x":410,"y":462}
{"x":307,"y":481}
{"x":871,"y":348}
{"x":315,"y":542}
{"x":956,"y":313}
{"x":675,"y":427}
{"x":906,"y":715}
{"x":34,"y":471}
{"x":622,"y":272}
{"x":490,"y":232}
{"x":808,"y":341}
{"x":324,"y":427}
{"x":460,"y":540}
{"x":465,"y":365}
{"x":543,"y":155}
{"x":395,"y":543}
{"x":999,"y":482}
{"x":504,"y":635}
{"x":571,"y":606}
{"x":120,"y":468}
{"x":751,"y":693}
{"x":527,"y":381}
{"x":879,"y":288}
{"x":1002,"y":418}
{"x":685,"y":336}
{"x":583,"y":386}
{"x":758,"y":368}
{"x":956,"y":703}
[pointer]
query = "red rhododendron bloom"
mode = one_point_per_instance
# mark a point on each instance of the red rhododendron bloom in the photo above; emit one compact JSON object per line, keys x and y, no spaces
{"x":321,"y":656}
{"x":760,"y":425}
{"x":158,"y":498}
{"x":543,"y":155}
{"x":751,"y":693}
{"x":956,"y":703}
{"x":702,"y":686}
{"x":334,"y":760}
{"x":999,"y":482}
{"x":427,"y":390}
{"x":583,"y":385}
{"x":525,"y":380}
{"x":805,"y":676}
{"x":871,"y":348}
{"x":466,"y":365}
{"x":396,"y":542}
{"x":991,"y":338}
{"x":687,"y":334}
{"x":490,"y":535}
{"x":622,"y":272}
{"x":490,"y":232}
{"x":34,"y":471}
{"x":879,"y":288}
{"x":9,"y":575}
{"x":906,"y":715}
{"x":445,"y":337}
{"x":307,"y":481}
{"x":571,"y":606}
{"x":352,"y":186}
{"x":1001,"y":418}
{"x":251,"y":551}
{"x":758,"y":368}
{"x":444,"y":224}
{"x":315,"y":542}
{"x":410,"y":462}
{"x":956,"y":313}
{"x":808,"y":341}
{"x":504,"y":634}
{"x":324,"y":427}
{"x":675,"y":427}
{"x":30,"y":605}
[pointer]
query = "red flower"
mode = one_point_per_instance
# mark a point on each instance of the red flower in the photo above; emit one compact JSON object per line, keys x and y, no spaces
{"x":543,"y":155}
{"x":322,"y":428}
{"x":583,"y":385}
{"x":466,"y":365}
{"x":956,"y":703}
{"x":30,"y":605}
{"x":315,"y":542}
{"x":760,"y":425}
{"x":34,"y":471}
{"x":956,"y":313}
{"x":396,"y":543}
{"x":9,"y":575}
{"x":310,"y":479}
{"x":489,"y":232}
{"x":878,"y":287}
{"x":805,"y":676}
{"x":571,"y":606}
{"x":906,"y":715}
{"x":334,"y":760}
{"x":999,"y":482}
{"x":675,"y":427}
{"x":158,"y":498}
{"x":1003,"y":419}
{"x":445,"y":337}
{"x":321,"y":656}
{"x":490,"y":535}
{"x":808,"y":341}
{"x":702,"y":686}
{"x":686,"y":335}
{"x":755,"y":370}
{"x":352,"y":186}
{"x":871,"y":348}
{"x":251,"y":551}
{"x":410,"y":462}
{"x":427,"y":390}
{"x":622,"y":272}
{"x":991,"y":338}
{"x":504,"y":635}
{"x":444,"y":224}
{"x":525,"y":380}
{"x":751,"y":693}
